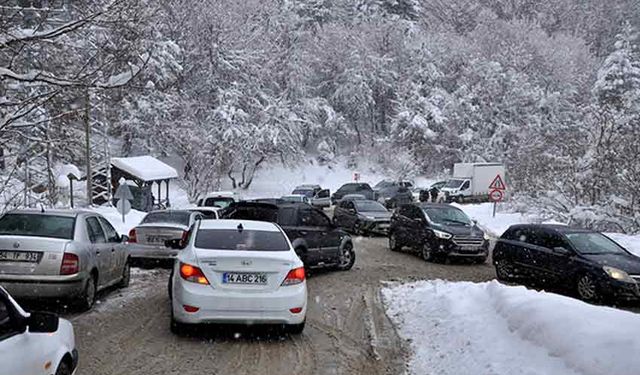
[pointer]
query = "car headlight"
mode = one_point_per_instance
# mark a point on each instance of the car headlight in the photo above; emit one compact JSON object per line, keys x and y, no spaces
{"x":486,"y":236}
{"x":441,"y":234}
{"x":618,"y":274}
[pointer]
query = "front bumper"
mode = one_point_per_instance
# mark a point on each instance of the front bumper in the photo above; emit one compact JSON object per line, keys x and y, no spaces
{"x":37,"y":286}
{"x":377,"y":227}
{"x":451,"y":249}
{"x":238,"y":307}
{"x":152,"y":252}
{"x":620,"y":290}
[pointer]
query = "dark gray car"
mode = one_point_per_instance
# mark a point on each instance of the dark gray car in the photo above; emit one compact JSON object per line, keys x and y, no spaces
{"x":362,"y":217}
{"x":393,"y":194}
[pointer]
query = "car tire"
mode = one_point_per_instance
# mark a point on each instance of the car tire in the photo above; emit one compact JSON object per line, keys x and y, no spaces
{"x":63,"y":369}
{"x":347,"y":257}
{"x":301,"y":252}
{"x":394,"y":244}
{"x":587,"y":289}
{"x":88,"y":296}
{"x":295,"y":329}
{"x":126,"y":275}
{"x":427,"y":253}
{"x":505,"y":271}
{"x":170,"y":285}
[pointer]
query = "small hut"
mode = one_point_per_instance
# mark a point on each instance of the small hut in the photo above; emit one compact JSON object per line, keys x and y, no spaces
{"x":144,"y":171}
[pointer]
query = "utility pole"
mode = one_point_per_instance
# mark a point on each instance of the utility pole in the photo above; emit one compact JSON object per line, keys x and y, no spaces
{"x":87,"y":130}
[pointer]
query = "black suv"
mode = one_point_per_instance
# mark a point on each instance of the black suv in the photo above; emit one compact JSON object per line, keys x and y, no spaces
{"x":354,"y":188}
{"x":582,"y":261}
{"x":436,"y":231}
{"x":315,"y":239}
{"x":393,"y":194}
{"x":362,"y":217}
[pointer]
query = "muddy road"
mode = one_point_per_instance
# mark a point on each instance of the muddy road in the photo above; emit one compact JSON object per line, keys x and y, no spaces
{"x":347,"y":331}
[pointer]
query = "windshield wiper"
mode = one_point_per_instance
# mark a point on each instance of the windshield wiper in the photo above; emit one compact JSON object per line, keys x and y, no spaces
{"x":455,"y":221}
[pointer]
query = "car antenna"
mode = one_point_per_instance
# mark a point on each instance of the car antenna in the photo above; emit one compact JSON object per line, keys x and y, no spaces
{"x":240,"y":228}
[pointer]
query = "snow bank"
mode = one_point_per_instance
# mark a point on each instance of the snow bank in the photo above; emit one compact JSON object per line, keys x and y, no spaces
{"x":483,"y":213}
{"x":489,"y":328}
{"x":631,"y":243}
{"x":132,"y":219}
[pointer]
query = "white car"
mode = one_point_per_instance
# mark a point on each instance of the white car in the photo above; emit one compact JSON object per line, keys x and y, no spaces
{"x":237,"y":271}
{"x":208,"y":213}
{"x":220,"y":199}
{"x":36,"y":343}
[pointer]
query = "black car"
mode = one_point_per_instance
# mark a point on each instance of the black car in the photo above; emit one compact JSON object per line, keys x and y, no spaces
{"x":394,"y":195}
{"x":436,"y":231}
{"x":354,"y":188}
{"x":362,"y":217}
{"x":431,"y":194}
{"x":585,"y":262}
{"x":315,"y":239}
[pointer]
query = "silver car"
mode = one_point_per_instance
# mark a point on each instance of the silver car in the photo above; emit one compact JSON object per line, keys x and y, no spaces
{"x":61,"y":254}
{"x":147,"y":240}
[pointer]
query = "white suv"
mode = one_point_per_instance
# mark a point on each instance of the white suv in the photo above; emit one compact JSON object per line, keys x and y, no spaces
{"x":36,"y":343}
{"x":237,"y":271}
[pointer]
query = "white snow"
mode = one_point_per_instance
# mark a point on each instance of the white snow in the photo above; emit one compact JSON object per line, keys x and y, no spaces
{"x":114,"y":217}
{"x":497,"y":225}
{"x":489,"y":328}
{"x":631,"y":243}
{"x":145,"y":167}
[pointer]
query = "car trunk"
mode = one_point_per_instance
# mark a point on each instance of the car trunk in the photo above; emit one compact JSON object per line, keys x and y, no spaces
{"x":157,"y":234}
{"x":26,"y":255}
{"x":275,"y":265}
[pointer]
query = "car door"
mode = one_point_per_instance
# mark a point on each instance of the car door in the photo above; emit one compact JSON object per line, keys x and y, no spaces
{"x":322,"y":198}
{"x":338,"y":213}
{"x":555,"y":264}
{"x":116,"y":248}
{"x":315,"y":227}
{"x":101,"y":250}
{"x":399,"y":222}
{"x":532,"y":254}
{"x":350,"y":215}
{"x":20,"y":353}
{"x":416,"y":226}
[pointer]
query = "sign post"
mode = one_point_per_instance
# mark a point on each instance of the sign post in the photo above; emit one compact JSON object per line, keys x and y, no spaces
{"x":124,"y":197}
{"x":496,"y":192}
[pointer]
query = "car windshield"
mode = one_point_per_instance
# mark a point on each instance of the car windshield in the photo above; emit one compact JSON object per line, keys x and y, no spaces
{"x":347,"y":188}
{"x":246,"y":240}
{"x":221,"y":202}
{"x":292,"y":198}
{"x":453,"y":184}
{"x":383,"y":184}
{"x":35,"y":225}
{"x":594,"y":243}
{"x":173,"y":217}
{"x":369,"y":206}
{"x":306,"y":192}
{"x":447,"y":216}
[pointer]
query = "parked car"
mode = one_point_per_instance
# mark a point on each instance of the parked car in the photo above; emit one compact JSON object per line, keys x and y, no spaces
{"x":34,"y":343}
{"x":318,"y":196}
{"x":219,"y":199}
{"x":238,"y":271}
{"x":353,"y":188}
{"x":588,"y":263}
{"x":62,"y":254}
{"x":394,"y":193}
{"x":147,"y":239}
{"x":436,"y":231}
{"x":295,"y":198}
{"x":431,"y":194}
{"x":317,"y":241}
{"x":362,"y":217}
{"x":208,"y":213}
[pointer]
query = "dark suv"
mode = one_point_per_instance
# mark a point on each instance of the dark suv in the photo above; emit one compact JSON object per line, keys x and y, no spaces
{"x":436,"y":231}
{"x":362,"y":217}
{"x":354,"y":188}
{"x":582,"y":261}
{"x":315,"y":239}
{"x":393,"y":194}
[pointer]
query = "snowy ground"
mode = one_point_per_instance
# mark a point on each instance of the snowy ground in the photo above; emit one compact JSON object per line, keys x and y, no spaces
{"x":489,"y":328}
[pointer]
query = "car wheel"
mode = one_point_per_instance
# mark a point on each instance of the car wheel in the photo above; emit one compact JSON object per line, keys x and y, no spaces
{"x":504,"y":271}
{"x":63,"y":369}
{"x":126,"y":276}
{"x":295,"y":329}
{"x":587,"y":289}
{"x":427,"y":253}
{"x":88,"y":296}
{"x":347,"y":257}
{"x":357,"y":229}
{"x":300,"y":252}
{"x":394,"y":244}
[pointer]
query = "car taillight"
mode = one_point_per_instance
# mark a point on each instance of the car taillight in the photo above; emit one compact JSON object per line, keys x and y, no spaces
{"x":132,"y":236}
{"x":193,"y":274}
{"x":184,"y":240}
{"x":295,"y":276}
{"x":70,"y":264}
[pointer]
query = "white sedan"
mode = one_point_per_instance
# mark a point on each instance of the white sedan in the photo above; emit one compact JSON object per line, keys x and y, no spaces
{"x":36,"y":343}
{"x":237,"y":271}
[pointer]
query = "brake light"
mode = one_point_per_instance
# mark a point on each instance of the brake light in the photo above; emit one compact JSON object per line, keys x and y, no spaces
{"x":70,"y":264}
{"x":132,"y":236}
{"x":184,"y":240}
{"x":193,"y":274}
{"x":295,"y":276}
{"x":190,"y":309}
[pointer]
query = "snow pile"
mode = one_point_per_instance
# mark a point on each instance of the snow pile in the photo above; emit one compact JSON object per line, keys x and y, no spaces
{"x":146,"y":168}
{"x":631,"y":243}
{"x":489,"y":328}
{"x":114,"y":217}
{"x":483,"y":213}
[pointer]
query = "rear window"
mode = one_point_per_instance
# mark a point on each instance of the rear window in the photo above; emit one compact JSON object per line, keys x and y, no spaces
{"x":33,"y":225}
{"x":221,"y":202}
{"x":305,"y":192}
{"x":249,"y":240}
{"x":252,"y":213}
{"x":173,"y":217}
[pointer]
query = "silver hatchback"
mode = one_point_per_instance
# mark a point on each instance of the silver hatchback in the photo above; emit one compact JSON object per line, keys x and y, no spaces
{"x":61,"y":254}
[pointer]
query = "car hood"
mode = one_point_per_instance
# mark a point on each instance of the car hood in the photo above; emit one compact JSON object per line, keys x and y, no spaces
{"x":460,"y":230}
{"x":626,"y":262}
{"x":377,"y":215}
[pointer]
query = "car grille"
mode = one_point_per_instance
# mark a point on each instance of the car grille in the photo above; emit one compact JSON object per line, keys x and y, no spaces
{"x":468,"y":241}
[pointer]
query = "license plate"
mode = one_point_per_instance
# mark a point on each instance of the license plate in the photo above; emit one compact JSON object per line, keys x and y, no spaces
{"x":157,"y":239}
{"x":470,"y":249}
{"x":19,"y":256}
{"x":244,"y":278}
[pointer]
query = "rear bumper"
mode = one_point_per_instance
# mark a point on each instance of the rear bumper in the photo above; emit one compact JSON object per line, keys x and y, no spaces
{"x":139,"y":251}
{"x":28,"y":286}
{"x":377,"y":227}
{"x":238,"y":307}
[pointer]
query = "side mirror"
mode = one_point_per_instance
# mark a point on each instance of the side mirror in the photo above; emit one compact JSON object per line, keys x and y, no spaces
{"x":351,"y":210}
{"x":561,"y":251}
{"x":124,"y":238}
{"x":43,"y":322}
{"x":475,"y":222}
{"x":175,"y":244}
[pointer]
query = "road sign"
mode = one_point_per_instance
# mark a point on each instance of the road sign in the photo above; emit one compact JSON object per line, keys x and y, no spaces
{"x":356,"y":176}
{"x":498,"y":184}
{"x":123,"y":206}
{"x":496,"y":195}
{"x":123,"y":192}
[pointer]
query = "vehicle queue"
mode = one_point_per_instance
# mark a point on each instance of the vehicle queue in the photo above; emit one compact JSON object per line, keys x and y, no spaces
{"x":246,"y":262}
